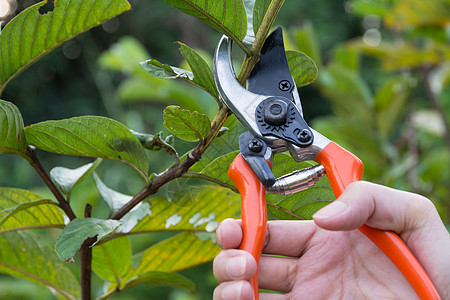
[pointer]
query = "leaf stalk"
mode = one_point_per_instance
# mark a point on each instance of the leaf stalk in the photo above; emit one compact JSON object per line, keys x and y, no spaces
{"x":36,"y":164}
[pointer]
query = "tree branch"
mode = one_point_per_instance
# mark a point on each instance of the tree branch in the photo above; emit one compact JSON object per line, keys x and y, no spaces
{"x":176,"y":171}
{"x":86,"y":260}
{"x":263,"y":30}
{"x":35,"y":163}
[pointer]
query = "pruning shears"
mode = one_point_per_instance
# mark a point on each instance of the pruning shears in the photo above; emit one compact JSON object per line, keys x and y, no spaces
{"x":271,"y":111}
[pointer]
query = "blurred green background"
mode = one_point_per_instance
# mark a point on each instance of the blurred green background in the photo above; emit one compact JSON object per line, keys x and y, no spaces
{"x":383,"y":93}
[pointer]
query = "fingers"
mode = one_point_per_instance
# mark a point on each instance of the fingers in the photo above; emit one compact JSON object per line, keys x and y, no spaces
{"x":234,"y":265}
{"x":275,"y":273}
{"x":377,"y":206}
{"x":233,"y":268}
{"x":233,"y":290}
{"x":229,"y":234}
{"x":410,"y":215}
{"x":288,"y":238}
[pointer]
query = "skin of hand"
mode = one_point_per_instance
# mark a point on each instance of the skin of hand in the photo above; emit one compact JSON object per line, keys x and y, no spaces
{"x":328,"y":259}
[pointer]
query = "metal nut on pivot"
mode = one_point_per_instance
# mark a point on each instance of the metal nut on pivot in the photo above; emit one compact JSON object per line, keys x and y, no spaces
{"x":304,"y":135}
{"x":275,"y":112}
{"x":255,"y":145}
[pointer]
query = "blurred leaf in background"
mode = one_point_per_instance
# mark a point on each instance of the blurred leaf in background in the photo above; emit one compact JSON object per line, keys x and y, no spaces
{"x":382,"y":91}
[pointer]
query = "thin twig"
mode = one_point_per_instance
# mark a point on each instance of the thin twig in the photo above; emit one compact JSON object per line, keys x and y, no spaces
{"x":263,"y":30}
{"x":35,"y":163}
{"x":177,"y":170}
{"x":86,"y":260}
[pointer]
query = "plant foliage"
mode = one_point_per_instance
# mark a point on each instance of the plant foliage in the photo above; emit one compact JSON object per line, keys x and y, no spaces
{"x":189,"y":198}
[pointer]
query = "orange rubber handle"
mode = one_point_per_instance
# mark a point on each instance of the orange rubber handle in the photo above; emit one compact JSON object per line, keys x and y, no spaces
{"x":343,"y":168}
{"x":253,"y":211}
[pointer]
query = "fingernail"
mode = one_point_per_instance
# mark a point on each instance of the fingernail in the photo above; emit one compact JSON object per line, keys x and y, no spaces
{"x":236,"y":267}
{"x":331,"y":210}
{"x":232,"y":291}
{"x":218,"y":237}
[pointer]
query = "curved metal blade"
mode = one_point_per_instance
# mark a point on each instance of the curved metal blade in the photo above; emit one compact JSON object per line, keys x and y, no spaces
{"x":242,"y":102}
{"x":271,"y":76}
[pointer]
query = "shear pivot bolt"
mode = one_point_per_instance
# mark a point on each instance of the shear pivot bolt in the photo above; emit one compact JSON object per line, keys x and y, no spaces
{"x":255,"y":145}
{"x":275,"y":112}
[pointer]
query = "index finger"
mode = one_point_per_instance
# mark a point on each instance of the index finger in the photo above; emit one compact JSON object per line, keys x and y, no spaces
{"x":287,"y":238}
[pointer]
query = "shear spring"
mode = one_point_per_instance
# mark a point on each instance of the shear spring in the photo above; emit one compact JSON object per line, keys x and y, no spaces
{"x":296,"y":181}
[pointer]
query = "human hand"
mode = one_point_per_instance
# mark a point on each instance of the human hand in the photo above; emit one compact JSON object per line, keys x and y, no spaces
{"x":327,"y":259}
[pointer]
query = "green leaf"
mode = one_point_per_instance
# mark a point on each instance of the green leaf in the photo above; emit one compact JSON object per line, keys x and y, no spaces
{"x":406,"y":55}
{"x":390,"y":101}
{"x":338,"y":82}
{"x":364,"y":8}
{"x":303,"y":69}
{"x":159,"y":70}
{"x":413,"y":13}
{"x":217,"y":169}
{"x":161,"y":279}
{"x":211,"y":205}
{"x":177,"y":253}
{"x":22,"y":257}
{"x":112,"y":260}
{"x":21,"y":209}
{"x":31,"y":35}
{"x":91,"y":136}
{"x":11,"y":211}
{"x":155,"y":142}
{"x":228,"y":142}
{"x":22,"y":289}
{"x":67,"y":179}
{"x":125,"y":56}
{"x":307,"y":43}
{"x":229,"y":17}
{"x":188,"y":125}
{"x":302,"y":205}
{"x":152,"y":89}
{"x":347,"y":56}
{"x":116,"y":200}
{"x":203,"y":75}
{"x":355,"y":133}
{"x":259,"y":11}
{"x":78,"y":230}
{"x":12,"y":137}
{"x":131,"y":219}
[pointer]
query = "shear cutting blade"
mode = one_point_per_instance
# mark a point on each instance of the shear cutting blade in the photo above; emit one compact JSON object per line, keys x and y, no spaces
{"x":271,"y":76}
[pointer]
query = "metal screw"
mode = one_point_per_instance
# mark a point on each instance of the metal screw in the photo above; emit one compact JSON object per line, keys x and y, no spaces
{"x":304,"y":135}
{"x":284,"y":85}
{"x":255,"y":145}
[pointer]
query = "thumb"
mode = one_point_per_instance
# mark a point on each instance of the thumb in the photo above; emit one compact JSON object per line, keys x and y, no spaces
{"x":412,"y":216}
{"x":377,"y":206}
